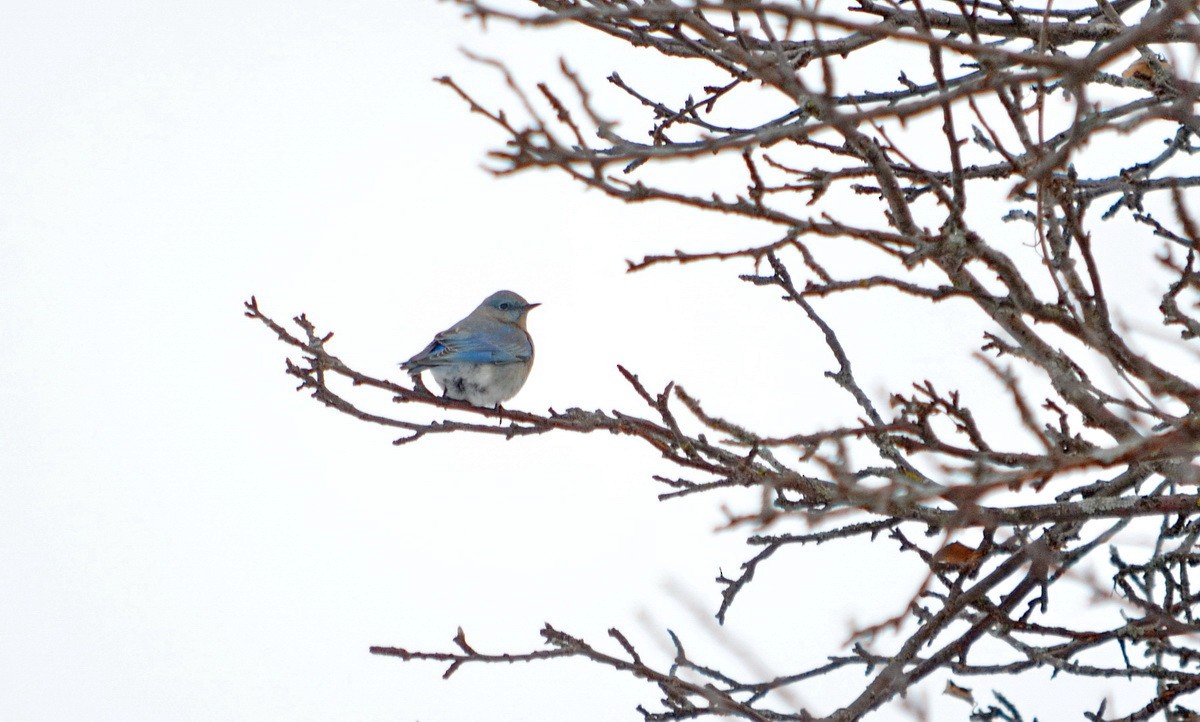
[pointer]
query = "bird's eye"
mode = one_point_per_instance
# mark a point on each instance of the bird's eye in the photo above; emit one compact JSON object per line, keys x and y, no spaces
{"x":504,"y":306}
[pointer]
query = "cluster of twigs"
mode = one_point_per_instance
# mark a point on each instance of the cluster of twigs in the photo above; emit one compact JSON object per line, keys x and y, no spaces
{"x":1017,"y":93}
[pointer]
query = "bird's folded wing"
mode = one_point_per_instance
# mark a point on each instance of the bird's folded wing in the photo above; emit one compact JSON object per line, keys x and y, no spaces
{"x":503,"y":345}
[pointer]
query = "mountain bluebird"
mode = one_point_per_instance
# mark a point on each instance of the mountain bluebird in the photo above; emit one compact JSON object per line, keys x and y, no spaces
{"x":485,"y":358}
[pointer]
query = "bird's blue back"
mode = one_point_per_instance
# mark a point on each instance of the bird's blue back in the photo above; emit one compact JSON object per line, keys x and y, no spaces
{"x":475,"y":340}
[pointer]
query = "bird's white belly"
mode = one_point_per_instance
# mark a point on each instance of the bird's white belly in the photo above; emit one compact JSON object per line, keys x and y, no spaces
{"x":481,"y":384}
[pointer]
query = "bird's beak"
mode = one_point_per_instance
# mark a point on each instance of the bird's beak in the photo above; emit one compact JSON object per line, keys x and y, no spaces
{"x":529,"y":306}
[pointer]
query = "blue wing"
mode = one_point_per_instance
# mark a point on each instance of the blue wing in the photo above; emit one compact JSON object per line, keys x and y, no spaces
{"x":499,"y":344}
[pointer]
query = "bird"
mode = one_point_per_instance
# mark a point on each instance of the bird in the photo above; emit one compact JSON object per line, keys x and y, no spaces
{"x":485,"y":358}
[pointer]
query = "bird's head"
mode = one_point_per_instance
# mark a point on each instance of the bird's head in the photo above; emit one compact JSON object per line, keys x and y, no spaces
{"x":508,"y":307}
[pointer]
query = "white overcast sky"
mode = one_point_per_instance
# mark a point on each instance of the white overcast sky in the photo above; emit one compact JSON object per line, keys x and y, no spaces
{"x":185,"y":537}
